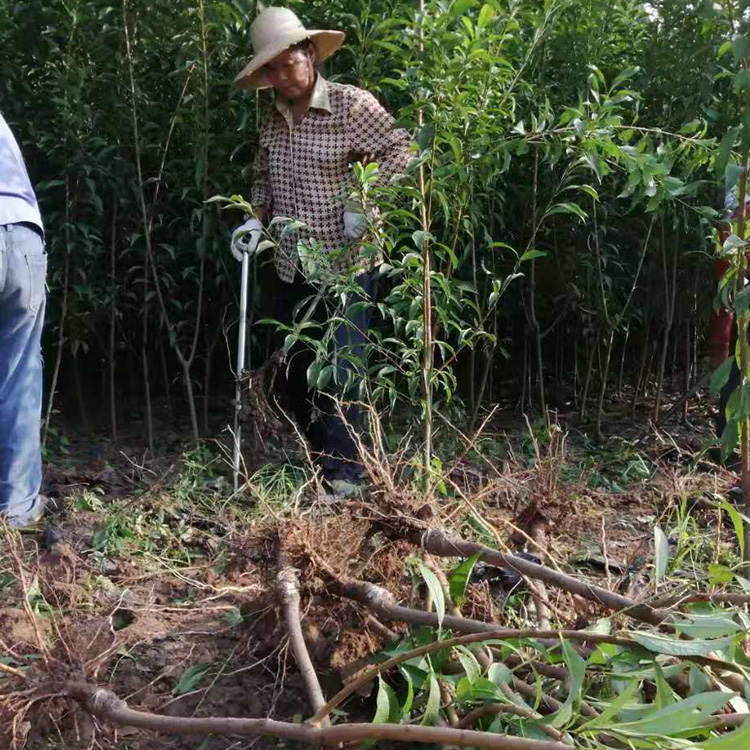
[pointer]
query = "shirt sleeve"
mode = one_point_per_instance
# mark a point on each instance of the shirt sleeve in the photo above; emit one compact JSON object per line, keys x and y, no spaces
{"x":261,"y":191}
{"x":374,"y":137}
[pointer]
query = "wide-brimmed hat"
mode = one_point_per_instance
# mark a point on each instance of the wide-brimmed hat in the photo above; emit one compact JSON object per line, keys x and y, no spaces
{"x":273,"y":32}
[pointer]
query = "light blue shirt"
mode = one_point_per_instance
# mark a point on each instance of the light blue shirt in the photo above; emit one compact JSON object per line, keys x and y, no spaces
{"x":17,"y":198}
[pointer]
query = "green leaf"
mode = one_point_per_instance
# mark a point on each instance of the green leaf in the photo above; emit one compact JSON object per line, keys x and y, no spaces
{"x":432,"y":707}
{"x":383,"y":704}
{"x":324,"y":378}
{"x":661,"y":554}
{"x":499,"y":674}
{"x":459,"y":579}
{"x":674,"y":719}
{"x":461,"y":6}
{"x":664,"y":694}
{"x":485,"y":15}
{"x":590,"y":191}
{"x":577,"y":671}
{"x":484,"y":690}
{"x":436,"y":590}
{"x":313,"y":373}
{"x":741,"y":81}
{"x":740,"y":47}
{"x":568,"y":208}
{"x":613,"y":709}
{"x":662,"y":644}
{"x":409,"y":702}
{"x":742,"y":301}
{"x":738,"y":522}
{"x":531,"y":254}
{"x":719,"y":575}
{"x":710,"y":625}
{"x":190,"y":678}
{"x":469,"y":663}
{"x":725,"y":150}
{"x":729,"y":438}
{"x":732,"y":243}
{"x":721,"y":376}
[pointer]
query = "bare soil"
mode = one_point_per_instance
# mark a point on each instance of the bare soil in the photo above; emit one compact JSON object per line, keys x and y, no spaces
{"x":135,"y":585}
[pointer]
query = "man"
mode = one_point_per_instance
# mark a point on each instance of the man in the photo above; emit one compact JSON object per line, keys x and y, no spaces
{"x":313,"y":134}
{"x":23,"y":271}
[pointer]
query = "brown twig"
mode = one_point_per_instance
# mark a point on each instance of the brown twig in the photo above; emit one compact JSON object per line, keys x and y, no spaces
{"x":678,"y":601}
{"x":12,"y":670}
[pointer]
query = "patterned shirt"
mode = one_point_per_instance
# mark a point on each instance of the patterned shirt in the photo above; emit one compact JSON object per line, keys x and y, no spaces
{"x":302,"y":171}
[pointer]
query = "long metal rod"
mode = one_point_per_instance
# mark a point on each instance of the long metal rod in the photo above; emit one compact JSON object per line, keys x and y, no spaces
{"x":241,"y":343}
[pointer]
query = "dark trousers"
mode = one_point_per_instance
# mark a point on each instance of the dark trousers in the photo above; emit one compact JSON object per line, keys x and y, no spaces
{"x":315,"y":410}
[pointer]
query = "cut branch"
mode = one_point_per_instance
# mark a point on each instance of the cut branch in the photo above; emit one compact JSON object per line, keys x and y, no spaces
{"x":287,"y":594}
{"x":107,"y":706}
{"x":444,"y":545}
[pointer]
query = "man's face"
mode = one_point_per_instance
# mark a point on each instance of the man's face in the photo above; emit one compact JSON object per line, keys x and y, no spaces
{"x":292,"y":73}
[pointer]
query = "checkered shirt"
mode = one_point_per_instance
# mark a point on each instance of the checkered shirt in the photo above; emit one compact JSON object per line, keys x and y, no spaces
{"x":302,"y":171}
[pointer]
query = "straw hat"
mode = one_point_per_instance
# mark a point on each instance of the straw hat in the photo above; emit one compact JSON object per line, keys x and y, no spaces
{"x":273,"y":32}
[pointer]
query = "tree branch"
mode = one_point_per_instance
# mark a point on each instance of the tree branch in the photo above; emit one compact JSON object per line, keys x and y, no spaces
{"x":287,"y":595}
{"x":444,"y":545}
{"x":107,"y":706}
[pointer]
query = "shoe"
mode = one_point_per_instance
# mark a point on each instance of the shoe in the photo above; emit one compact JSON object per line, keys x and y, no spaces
{"x":345,"y":489}
{"x":33,"y":518}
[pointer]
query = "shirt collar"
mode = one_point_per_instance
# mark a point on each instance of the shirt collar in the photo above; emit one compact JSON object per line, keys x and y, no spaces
{"x":319,"y":99}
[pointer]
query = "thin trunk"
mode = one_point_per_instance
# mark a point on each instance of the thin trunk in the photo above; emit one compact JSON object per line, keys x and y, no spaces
{"x":576,"y":377}
{"x":639,"y":372}
{"x":473,"y":353}
{"x":525,"y":369}
{"x":647,"y":378}
{"x":670,"y":295}
{"x":488,"y":352}
{"x":208,"y":371}
{"x":603,"y":389}
{"x":622,"y":362}
{"x":675,"y":348}
{"x":78,"y":385}
{"x":167,"y":380}
{"x":113,"y":322}
{"x":589,"y":370}
{"x":428,"y":345}
{"x":149,"y":416}
{"x":533,"y":320}
{"x":686,"y":374}
{"x":63,"y":315}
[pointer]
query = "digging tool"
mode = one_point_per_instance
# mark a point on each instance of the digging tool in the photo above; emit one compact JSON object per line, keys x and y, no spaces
{"x":244,"y":244}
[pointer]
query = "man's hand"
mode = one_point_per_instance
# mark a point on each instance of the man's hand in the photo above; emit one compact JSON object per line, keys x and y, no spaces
{"x":355,"y":225}
{"x":245,"y":238}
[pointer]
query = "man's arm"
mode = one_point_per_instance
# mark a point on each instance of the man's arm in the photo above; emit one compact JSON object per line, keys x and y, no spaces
{"x":261,"y":193}
{"x":375,"y":137}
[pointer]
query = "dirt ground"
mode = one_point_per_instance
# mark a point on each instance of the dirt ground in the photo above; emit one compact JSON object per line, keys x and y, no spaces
{"x":156,"y":582}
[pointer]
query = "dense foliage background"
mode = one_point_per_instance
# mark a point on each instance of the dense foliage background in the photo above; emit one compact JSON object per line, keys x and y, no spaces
{"x":577,"y":135}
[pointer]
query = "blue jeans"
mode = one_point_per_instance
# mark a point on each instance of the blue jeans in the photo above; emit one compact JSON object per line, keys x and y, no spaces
{"x":23,"y":271}
{"x":329,"y":435}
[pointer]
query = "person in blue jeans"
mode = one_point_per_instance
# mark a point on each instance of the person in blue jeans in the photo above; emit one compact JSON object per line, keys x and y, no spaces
{"x":23,"y":271}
